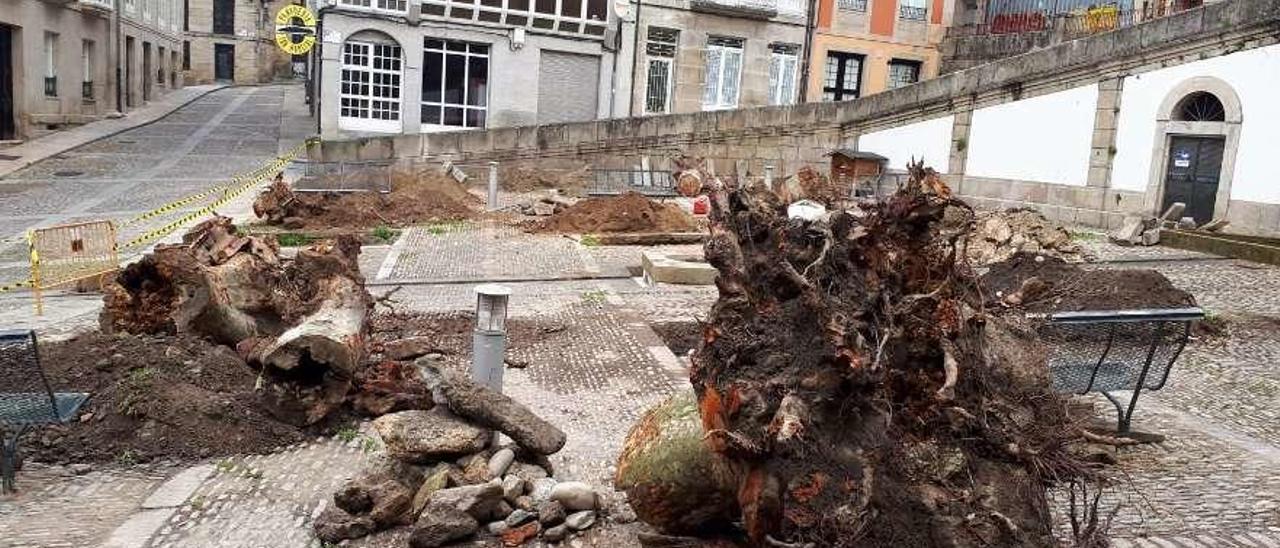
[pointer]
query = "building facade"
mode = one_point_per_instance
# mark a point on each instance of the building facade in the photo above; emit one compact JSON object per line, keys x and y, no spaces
{"x":233,"y":41}
{"x":417,"y":66}
{"x":61,"y":61}
{"x":699,"y":55}
{"x":862,"y":47}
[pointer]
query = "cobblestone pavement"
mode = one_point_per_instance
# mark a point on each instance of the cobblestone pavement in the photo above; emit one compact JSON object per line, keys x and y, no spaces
{"x":57,"y":508}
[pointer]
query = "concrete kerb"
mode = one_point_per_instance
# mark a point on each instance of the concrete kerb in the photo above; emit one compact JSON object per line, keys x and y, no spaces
{"x":26,"y":161}
{"x":137,"y":531}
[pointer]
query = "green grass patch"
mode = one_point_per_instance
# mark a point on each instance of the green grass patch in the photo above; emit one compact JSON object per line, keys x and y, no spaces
{"x":1086,"y":236}
{"x":290,"y":239}
{"x":590,"y":240}
{"x":596,"y":297}
{"x":384,"y":234}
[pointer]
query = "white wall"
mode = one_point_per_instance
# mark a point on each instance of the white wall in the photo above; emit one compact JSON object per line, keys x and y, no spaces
{"x":1044,"y":139}
{"x":1255,"y":76}
{"x":929,"y":140}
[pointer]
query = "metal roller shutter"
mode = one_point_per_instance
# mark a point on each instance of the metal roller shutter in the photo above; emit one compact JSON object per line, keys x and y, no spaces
{"x":568,"y":87}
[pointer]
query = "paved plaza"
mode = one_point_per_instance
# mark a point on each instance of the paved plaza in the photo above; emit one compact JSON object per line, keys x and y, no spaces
{"x":1215,"y":480}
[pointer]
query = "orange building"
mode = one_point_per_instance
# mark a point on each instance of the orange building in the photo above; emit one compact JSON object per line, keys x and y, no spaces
{"x":862,"y":47}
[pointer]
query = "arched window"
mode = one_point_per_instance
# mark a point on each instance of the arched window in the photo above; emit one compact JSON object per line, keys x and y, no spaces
{"x":370,"y":94}
{"x":1200,"y":106}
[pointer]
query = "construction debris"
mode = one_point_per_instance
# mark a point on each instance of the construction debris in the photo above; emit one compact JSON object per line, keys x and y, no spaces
{"x":302,"y":321}
{"x":998,"y":235}
{"x":854,"y":388}
{"x":418,"y":195}
{"x":1037,"y":283}
{"x":443,"y":478}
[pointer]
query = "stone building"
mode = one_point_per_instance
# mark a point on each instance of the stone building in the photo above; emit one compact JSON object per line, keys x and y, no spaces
{"x":417,"y":66}
{"x":60,"y":60}
{"x":233,"y":41}
{"x":699,"y":55}
{"x":862,"y":47}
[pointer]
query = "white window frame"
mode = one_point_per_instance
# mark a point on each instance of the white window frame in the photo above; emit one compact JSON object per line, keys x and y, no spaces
{"x":721,"y":52}
{"x":131,"y":6}
{"x":782,"y":86}
{"x":471,"y":12}
{"x":377,"y":6}
{"x":86,"y":58}
{"x":50,"y":54}
{"x":368,"y":122}
{"x":660,"y":52}
{"x":466,"y":76}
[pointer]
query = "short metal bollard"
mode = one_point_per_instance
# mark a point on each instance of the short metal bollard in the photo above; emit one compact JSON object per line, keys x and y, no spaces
{"x":493,"y":186}
{"x":768,"y":176}
{"x":489,"y":340}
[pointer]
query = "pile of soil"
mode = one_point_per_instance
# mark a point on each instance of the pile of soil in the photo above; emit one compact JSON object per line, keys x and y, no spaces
{"x":417,"y":196}
{"x":680,"y":337}
{"x":1067,"y":287}
{"x":630,"y":212}
{"x":155,"y":397}
{"x":527,"y":178}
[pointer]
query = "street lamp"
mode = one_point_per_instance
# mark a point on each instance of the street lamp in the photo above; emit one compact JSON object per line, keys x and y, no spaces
{"x":489,"y":340}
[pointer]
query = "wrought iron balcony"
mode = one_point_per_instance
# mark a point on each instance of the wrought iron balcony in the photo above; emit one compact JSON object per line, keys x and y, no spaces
{"x":752,"y":9}
{"x":104,"y":5}
{"x":912,"y":13}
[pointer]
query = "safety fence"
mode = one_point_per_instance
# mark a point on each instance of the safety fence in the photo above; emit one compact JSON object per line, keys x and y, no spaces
{"x":1071,"y":18}
{"x":71,"y":253}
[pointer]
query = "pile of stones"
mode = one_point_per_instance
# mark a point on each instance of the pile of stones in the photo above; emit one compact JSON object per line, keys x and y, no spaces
{"x":444,"y":477}
{"x":999,"y":235}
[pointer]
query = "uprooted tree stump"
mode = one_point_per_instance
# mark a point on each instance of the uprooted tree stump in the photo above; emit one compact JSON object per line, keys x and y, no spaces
{"x":852,"y":384}
{"x":302,"y":320}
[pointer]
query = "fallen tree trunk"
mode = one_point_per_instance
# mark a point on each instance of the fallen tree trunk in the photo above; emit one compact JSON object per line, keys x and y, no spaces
{"x":848,"y":380}
{"x":493,"y":410}
{"x":302,"y":321}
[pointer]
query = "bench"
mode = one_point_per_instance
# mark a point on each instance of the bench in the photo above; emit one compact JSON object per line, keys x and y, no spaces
{"x":26,"y":400}
{"x":1116,"y":350}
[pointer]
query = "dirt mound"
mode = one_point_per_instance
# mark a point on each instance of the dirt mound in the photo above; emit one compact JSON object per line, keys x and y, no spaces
{"x":1040,"y":283}
{"x":155,"y":397}
{"x":417,"y":196}
{"x":525,"y":178}
{"x":630,"y":212}
{"x":999,"y":235}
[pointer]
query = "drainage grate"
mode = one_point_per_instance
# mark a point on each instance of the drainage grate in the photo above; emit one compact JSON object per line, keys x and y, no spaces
{"x":68,"y":173}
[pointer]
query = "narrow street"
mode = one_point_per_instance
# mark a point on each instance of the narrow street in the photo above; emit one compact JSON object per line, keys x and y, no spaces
{"x":197,"y":147}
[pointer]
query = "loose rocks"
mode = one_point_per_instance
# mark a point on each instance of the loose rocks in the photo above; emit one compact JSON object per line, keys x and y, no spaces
{"x":574,"y":495}
{"x":423,"y":436}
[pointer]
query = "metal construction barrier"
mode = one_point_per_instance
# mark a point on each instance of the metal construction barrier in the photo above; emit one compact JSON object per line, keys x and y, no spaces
{"x":27,"y":401}
{"x":649,"y":182}
{"x":363,"y":176}
{"x":64,"y":254}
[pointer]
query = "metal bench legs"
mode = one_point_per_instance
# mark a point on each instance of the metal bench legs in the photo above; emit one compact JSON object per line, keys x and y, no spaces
{"x":9,"y":458}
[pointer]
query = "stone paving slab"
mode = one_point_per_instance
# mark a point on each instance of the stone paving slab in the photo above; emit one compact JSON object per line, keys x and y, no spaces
{"x":55,"y":508}
{"x":454,"y":252}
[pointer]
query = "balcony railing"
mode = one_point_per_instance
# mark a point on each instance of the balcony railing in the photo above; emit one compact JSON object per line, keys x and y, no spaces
{"x":852,"y":5}
{"x":86,"y":90}
{"x":912,"y":13}
{"x":1074,"y":20}
{"x":50,"y":86}
{"x":756,"y":9}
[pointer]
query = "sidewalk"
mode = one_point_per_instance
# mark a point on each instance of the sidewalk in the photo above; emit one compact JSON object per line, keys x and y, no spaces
{"x":33,"y":151}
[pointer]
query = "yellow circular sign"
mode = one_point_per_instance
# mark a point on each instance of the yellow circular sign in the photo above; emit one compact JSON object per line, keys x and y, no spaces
{"x":295,"y":29}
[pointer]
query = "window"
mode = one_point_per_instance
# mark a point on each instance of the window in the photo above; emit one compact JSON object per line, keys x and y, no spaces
{"x":661,"y":49}
{"x":186,"y":55}
{"x":186,"y":16}
{"x":912,"y":10}
{"x":131,"y":5}
{"x":903,"y":73}
{"x":50,"y":64}
{"x":852,"y":5}
{"x":86,"y":61}
{"x":723,"y":74}
{"x":843,"y":77}
{"x":397,"y":6}
{"x":224,"y":16}
{"x":149,"y":9}
{"x":370,"y":97}
{"x":455,"y":83}
{"x":782,"y":73}
{"x":578,"y":17}
{"x":1200,"y":106}
{"x":160,"y":58}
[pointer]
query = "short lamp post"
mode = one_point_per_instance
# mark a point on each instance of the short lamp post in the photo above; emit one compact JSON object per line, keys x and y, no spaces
{"x":489,"y":340}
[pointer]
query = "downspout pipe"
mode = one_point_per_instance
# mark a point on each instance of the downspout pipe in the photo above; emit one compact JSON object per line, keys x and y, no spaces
{"x":810,"y":24}
{"x":635,"y":60}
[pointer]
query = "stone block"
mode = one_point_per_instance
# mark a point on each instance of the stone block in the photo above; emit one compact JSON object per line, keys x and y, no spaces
{"x":1151,"y":236}
{"x":1174,"y":212}
{"x":662,"y":268}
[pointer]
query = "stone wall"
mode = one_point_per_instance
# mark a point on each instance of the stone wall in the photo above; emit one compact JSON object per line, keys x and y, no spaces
{"x":794,"y":135}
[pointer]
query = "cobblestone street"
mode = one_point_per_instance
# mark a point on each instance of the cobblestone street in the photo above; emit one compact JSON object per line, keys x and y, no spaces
{"x":1215,"y":480}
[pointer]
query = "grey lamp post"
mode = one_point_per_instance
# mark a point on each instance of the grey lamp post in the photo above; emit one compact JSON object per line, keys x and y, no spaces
{"x":489,"y":340}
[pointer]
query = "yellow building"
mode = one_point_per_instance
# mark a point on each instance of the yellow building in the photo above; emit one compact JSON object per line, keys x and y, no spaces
{"x":862,"y":47}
